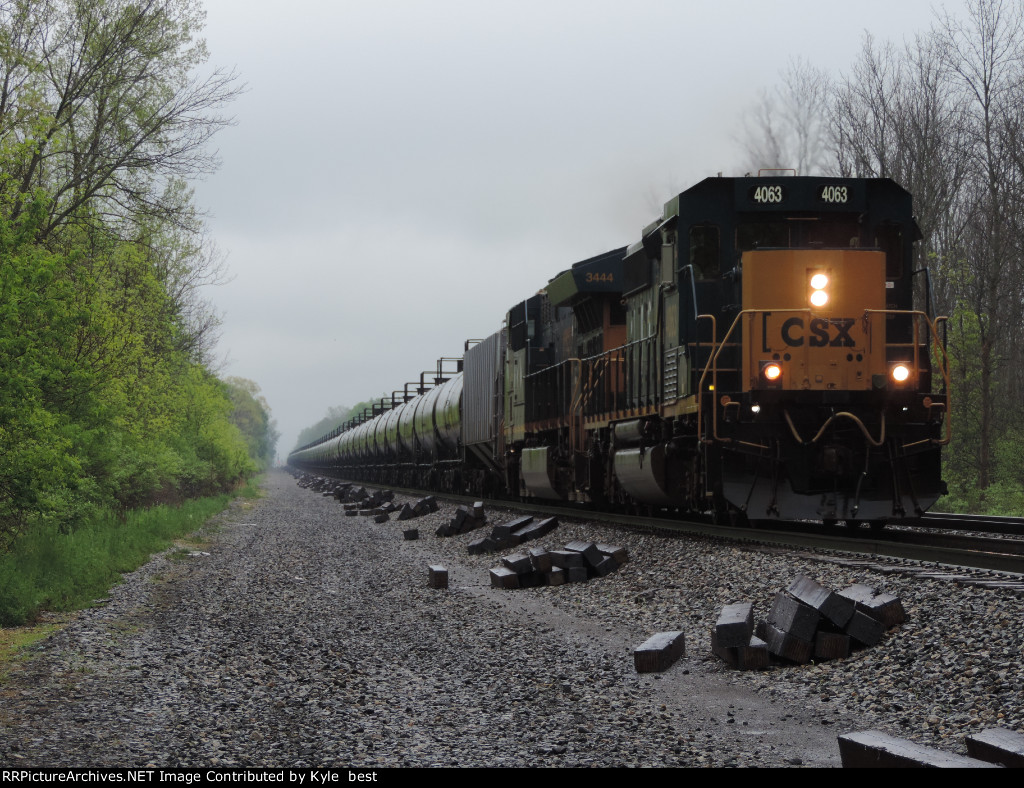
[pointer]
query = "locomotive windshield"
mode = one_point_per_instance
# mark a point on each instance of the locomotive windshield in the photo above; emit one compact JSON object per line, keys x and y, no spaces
{"x":798,"y":233}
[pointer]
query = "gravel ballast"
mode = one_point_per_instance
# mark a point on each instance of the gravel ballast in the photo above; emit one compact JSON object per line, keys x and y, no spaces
{"x":296,"y":636}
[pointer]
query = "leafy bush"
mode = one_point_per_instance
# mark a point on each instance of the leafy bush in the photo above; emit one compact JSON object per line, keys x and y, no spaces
{"x":49,"y":569}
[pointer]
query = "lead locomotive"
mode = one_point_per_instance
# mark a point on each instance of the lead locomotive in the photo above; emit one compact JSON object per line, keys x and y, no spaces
{"x":757,"y":353}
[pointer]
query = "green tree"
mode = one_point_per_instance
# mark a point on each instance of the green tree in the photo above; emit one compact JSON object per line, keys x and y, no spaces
{"x":337,"y":415}
{"x":104,"y":401}
{"x":35,"y":316}
{"x":102,"y":105}
{"x":251,"y":414}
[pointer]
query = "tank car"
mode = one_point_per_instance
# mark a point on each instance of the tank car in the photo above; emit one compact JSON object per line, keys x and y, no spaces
{"x":757,"y":353}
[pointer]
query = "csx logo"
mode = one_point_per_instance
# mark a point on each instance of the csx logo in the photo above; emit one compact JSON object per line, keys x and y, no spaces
{"x":831,"y":332}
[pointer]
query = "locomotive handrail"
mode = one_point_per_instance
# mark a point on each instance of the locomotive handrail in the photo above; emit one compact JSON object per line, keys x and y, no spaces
{"x":689,"y":269}
{"x":596,"y":356}
{"x":597,"y":365}
{"x":717,"y":348}
{"x":712,"y":355}
{"x":943,"y":367}
{"x":575,"y":408}
{"x":913,"y":313}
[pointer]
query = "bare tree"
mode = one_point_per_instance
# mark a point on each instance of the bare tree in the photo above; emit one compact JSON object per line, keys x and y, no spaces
{"x":186,"y":260}
{"x":861,"y":112}
{"x":896,"y":115}
{"x":1012,"y":132}
{"x":984,"y":54}
{"x":787,"y":128}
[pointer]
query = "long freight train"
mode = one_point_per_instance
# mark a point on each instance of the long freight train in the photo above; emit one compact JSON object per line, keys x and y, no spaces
{"x":757,"y":353}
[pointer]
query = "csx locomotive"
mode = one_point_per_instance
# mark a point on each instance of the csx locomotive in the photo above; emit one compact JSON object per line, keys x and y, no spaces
{"x":756,"y":354}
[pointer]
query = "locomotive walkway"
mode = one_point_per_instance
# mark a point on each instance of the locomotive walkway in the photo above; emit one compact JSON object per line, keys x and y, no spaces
{"x":305,"y":638}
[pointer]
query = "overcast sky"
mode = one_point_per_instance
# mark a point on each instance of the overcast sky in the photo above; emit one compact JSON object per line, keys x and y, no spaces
{"x":401,"y":173}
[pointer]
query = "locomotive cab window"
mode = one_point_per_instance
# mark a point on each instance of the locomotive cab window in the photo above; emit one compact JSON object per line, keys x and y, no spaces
{"x":762,"y":235}
{"x":705,"y":250}
{"x":830,"y":235}
{"x":797,"y":233}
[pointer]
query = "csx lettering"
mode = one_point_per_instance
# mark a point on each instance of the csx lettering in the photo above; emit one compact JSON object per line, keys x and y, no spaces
{"x":833,"y":332}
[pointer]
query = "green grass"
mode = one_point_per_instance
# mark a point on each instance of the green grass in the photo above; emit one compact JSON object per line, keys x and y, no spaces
{"x":51,"y":571}
{"x":253,"y":488}
{"x":14,"y":641}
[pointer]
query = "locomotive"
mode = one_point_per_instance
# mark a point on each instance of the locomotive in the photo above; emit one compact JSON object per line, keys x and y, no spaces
{"x":756,"y":354}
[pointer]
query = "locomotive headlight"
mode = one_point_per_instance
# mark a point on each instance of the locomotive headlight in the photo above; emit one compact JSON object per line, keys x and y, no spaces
{"x":771,"y":372}
{"x":900,"y":373}
{"x":819,"y":289}
{"x":771,"y":375}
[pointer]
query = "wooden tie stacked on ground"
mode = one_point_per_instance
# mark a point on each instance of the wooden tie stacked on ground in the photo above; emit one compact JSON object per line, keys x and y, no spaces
{"x":986,"y":749}
{"x":511,"y":534}
{"x":467,"y":518}
{"x":806,"y":621}
{"x":577,"y":562}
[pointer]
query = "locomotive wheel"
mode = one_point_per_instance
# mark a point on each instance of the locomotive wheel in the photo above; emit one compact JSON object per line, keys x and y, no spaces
{"x":865,"y":528}
{"x":727,"y":514}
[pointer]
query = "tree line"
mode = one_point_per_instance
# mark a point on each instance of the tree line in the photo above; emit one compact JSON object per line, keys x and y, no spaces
{"x":943,"y":115}
{"x":336,"y":416}
{"x":107,"y":397}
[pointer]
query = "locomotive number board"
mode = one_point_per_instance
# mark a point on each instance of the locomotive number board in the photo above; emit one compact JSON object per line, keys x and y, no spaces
{"x":803,"y":194}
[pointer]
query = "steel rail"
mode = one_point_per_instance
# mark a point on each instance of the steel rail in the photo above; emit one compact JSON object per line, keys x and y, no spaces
{"x":999,"y":555}
{"x":978,"y":523}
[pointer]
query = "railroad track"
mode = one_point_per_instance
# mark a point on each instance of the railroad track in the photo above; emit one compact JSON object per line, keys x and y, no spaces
{"x":977,"y":550}
{"x":995,"y":544}
{"x":1011,"y":526}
